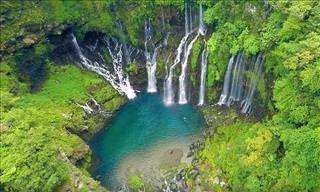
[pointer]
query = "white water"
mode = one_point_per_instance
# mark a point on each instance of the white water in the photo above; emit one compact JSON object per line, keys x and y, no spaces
{"x":168,"y":84}
{"x":204,"y":63}
{"x":247,"y":102}
{"x":202,"y":27}
{"x":183,"y":97}
{"x":151,"y":57}
{"x":182,"y":78}
{"x":118,"y":80}
{"x":236,"y":86}
{"x":233,"y":82}
{"x":226,"y":83}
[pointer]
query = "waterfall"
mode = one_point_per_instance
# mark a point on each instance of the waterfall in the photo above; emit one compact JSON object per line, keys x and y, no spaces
{"x":184,"y":66}
{"x":226,"y":83}
{"x":118,"y":80}
{"x":202,"y":27}
{"x":236,"y":86}
{"x":186,"y":19}
{"x":204,"y":63}
{"x":183,"y":52}
{"x":182,"y":77}
{"x":233,"y":82}
{"x":163,"y":20}
{"x":190,"y":18}
{"x":247,"y":102}
{"x":151,"y":57}
{"x":168,"y":84}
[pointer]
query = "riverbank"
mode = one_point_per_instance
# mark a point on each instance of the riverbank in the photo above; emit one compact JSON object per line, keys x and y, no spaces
{"x":198,"y":175}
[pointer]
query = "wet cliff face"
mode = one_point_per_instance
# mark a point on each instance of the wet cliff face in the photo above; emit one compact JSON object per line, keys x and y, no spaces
{"x":166,"y":20}
{"x":55,"y":38}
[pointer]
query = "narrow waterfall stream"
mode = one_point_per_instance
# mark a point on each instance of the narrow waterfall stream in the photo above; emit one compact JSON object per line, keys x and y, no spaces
{"x":182,"y":78}
{"x":151,"y":52}
{"x":204,"y":63}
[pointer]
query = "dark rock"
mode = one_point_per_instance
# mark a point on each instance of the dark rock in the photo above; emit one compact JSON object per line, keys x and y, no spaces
{"x":194,"y":161}
{"x":190,"y":154}
{"x":179,"y":177}
{"x":234,"y":118}
{"x":33,"y":28}
{"x":173,"y":187}
{"x":194,"y":173}
{"x":14,"y":90}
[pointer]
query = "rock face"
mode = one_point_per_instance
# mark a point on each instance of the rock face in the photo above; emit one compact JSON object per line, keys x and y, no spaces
{"x":27,"y":35}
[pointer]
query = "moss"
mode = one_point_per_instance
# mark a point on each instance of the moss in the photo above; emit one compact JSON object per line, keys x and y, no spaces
{"x":132,"y":67}
{"x":195,"y":54}
{"x":135,"y":183}
{"x":261,"y":88}
{"x":38,"y":127}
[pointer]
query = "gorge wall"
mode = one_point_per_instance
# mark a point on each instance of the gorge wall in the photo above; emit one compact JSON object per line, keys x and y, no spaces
{"x":245,"y":59}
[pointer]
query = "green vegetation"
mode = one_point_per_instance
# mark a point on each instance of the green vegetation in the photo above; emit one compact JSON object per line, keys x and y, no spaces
{"x":135,"y":183}
{"x":33,"y":127}
{"x":39,"y":115}
{"x":195,"y":58}
{"x":283,"y":153}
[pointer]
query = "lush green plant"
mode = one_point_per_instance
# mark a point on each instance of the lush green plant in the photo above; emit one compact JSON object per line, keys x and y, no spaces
{"x":281,"y":154}
{"x":33,"y":126}
{"x":135,"y":183}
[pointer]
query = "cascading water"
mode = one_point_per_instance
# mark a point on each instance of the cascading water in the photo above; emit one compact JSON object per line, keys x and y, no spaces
{"x":233,"y":82}
{"x":204,"y":63}
{"x":226,"y":85}
{"x":236,"y":86}
{"x":151,"y":56}
{"x":183,"y":98}
{"x":119,"y":80}
{"x":202,"y":27}
{"x":168,"y":84}
{"x":183,"y":75}
{"x":247,"y":102}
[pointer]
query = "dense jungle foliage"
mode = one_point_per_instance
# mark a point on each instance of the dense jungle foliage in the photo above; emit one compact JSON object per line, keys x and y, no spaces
{"x":41,"y":152}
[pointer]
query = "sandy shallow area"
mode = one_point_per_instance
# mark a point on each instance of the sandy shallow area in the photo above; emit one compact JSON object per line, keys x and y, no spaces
{"x":164,"y":155}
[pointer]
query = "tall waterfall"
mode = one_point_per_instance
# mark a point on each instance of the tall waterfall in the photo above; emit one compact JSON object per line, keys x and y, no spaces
{"x":117,"y":79}
{"x":202,"y":27}
{"x":182,"y":56}
{"x":204,"y":63}
{"x":183,"y":75}
{"x":151,"y":56}
{"x":168,"y":84}
{"x":247,"y":101}
{"x":237,"y":78}
{"x":226,"y":85}
{"x":183,"y":98}
{"x":233,"y":82}
{"x":186,"y":19}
